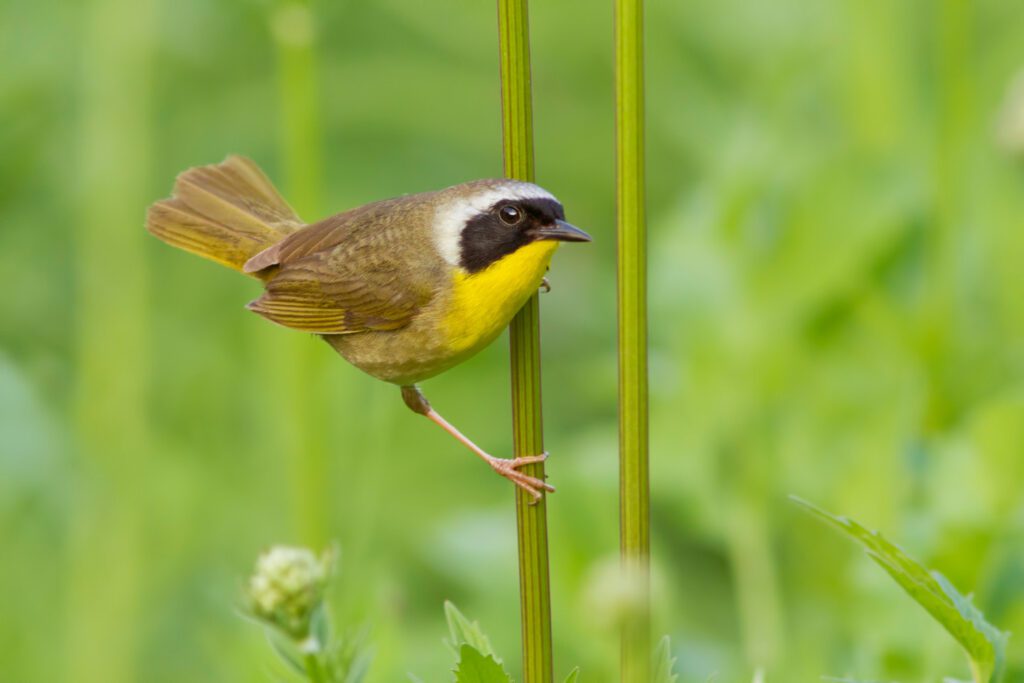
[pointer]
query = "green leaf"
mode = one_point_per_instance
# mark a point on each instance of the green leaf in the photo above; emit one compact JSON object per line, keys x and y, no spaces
{"x":285,"y":650}
{"x":349,"y":658}
{"x":475,"y":667}
{"x":573,"y":675}
{"x":466,"y":632}
{"x":984,"y":644}
{"x":320,"y":625}
{"x":358,"y":668}
{"x":664,"y":663}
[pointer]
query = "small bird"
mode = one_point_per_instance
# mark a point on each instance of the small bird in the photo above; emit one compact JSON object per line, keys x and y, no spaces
{"x":402,"y":288}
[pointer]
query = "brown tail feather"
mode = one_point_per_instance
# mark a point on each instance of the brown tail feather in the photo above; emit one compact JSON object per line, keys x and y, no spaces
{"x":225,"y":212}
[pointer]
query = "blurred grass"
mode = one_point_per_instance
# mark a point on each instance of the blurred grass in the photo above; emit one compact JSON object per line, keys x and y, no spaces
{"x":836,"y":311}
{"x":106,"y":579}
{"x":301,"y":404}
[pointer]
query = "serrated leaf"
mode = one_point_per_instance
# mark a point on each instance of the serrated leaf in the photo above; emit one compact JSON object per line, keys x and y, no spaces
{"x":466,"y":632}
{"x":664,"y":663}
{"x":475,"y":667}
{"x":984,"y":644}
{"x":573,"y":675}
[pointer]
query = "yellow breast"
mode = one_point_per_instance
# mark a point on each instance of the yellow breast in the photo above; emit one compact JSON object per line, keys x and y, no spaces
{"x":484,"y":302}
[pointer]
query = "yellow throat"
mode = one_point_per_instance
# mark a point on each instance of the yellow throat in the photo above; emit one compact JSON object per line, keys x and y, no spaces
{"x":484,"y":302}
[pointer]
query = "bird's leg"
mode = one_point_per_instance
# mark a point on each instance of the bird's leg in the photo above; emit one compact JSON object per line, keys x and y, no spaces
{"x":545,"y":286}
{"x":509,"y":469}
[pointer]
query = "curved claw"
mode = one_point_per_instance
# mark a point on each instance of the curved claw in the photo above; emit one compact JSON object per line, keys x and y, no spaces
{"x":527,"y":459}
{"x":509,"y":470}
{"x":545,"y":286}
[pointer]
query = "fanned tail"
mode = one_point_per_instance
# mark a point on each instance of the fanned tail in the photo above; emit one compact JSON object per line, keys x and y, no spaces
{"x":225,"y":212}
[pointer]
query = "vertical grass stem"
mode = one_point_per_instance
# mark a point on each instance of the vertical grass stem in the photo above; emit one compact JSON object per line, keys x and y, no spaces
{"x":314,"y":672}
{"x":632,"y":304}
{"x":301,"y":140}
{"x":524,"y":335}
{"x":108,"y":547}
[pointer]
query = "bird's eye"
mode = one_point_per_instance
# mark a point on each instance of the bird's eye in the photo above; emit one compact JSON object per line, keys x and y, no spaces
{"x":510,"y":215}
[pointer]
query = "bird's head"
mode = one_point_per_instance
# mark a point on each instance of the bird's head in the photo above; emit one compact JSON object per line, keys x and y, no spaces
{"x":480,"y":223}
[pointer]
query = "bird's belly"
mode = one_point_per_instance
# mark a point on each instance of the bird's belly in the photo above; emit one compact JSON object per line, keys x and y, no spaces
{"x":404,"y":356}
{"x":454,"y":327}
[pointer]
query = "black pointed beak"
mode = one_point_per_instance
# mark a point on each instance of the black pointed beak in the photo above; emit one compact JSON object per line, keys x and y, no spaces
{"x":563,"y":232}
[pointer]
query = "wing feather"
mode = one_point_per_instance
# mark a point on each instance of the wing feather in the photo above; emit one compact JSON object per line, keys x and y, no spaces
{"x":354,"y":272}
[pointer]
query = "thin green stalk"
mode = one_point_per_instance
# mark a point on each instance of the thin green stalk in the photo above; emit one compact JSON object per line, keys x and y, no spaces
{"x":954,"y":61}
{"x":107,"y":538}
{"x":301,"y":142}
{"x":634,"y":484}
{"x":753,"y":568}
{"x":313,"y":669}
{"x":524,"y":335}
{"x":301,"y":129}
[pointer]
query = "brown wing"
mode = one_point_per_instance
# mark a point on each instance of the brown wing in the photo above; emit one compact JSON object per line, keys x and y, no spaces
{"x":331,"y":232}
{"x":353,"y":272}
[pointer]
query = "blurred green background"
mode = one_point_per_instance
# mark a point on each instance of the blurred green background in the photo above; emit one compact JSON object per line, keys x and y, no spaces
{"x":837,"y":311}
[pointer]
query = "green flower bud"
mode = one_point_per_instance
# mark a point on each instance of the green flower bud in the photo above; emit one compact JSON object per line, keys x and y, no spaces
{"x":287,"y":588}
{"x":1011,"y":124}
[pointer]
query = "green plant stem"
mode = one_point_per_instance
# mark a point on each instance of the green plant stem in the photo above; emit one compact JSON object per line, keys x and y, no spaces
{"x":632,"y":302}
{"x":301,"y":137}
{"x":524,"y":336}
{"x":955,"y":25}
{"x":109,"y":534}
{"x":301,"y":130}
{"x":313,"y":670}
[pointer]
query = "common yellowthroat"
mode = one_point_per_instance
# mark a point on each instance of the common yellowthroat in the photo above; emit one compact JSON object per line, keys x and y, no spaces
{"x":403,"y":288}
